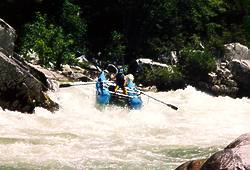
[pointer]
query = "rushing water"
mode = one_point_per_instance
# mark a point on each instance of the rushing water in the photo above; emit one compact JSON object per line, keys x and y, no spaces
{"x":83,"y":136}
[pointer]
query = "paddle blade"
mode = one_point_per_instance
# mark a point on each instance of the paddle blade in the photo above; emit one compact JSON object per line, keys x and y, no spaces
{"x":173,"y":107}
{"x":65,"y":85}
{"x":169,"y":105}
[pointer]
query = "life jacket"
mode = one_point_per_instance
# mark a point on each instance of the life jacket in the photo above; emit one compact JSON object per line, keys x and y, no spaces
{"x":120,"y":79}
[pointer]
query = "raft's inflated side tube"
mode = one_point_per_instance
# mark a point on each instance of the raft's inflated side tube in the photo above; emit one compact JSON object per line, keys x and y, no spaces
{"x":135,"y":103}
{"x":134,"y":100}
{"x":104,"y":97}
{"x":102,"y":93}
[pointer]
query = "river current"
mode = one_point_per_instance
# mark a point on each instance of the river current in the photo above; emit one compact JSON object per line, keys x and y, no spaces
{"x":82,"y":135}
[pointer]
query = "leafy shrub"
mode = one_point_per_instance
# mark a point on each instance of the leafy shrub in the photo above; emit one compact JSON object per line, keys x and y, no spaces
{"x":165,"y":78}
{"x":56,"y":43}
{"x":115,"y":52}
{"x":197,"y":64}
{"x":48,"y":41}
{"x":74,"y":25}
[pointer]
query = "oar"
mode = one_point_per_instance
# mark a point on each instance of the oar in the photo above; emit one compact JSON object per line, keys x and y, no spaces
{"x":81,"y":83}
{"x":169,"y":105}
{"x":76,"y":84}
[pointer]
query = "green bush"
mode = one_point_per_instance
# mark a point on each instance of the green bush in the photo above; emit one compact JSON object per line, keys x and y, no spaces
{"x":115,"y":52}
{"x":197,"y":64}
{"x":74,"y":25}
{"x":48,"y":41}
{"x":55,"y":40}
{"x":165,"y":78}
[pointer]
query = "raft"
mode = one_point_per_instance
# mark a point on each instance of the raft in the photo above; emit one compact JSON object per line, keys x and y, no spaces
{"x":105,"y":94}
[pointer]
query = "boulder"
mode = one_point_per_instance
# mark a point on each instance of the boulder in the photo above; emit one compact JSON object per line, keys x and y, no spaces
{"x":140,"y":65}
{"x":7,"y":38}
{"x":22,"y":87}
{"x":231,"y":77}
{"x":236,"y":51}
{"x":235,"y":156}
{"x":191,"y":165}
{"x":241,"y":74}
{"x":171,"y":59}
{"x":76,"y":73}
{"x":19,"y":89}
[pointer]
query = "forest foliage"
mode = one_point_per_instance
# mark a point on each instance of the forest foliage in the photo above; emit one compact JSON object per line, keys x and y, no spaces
{"x":124,"y":30}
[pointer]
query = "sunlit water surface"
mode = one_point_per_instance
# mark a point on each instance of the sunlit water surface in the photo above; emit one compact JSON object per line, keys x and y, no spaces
{"x":82,"y":135}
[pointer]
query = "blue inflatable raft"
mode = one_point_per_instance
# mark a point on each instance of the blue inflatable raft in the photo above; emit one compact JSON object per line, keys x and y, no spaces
{"x":105,"y":95}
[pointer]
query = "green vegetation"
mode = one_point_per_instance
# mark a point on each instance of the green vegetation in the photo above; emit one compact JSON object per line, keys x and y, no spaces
{"x":55,"y":43}
{"x":197,"y":64}
{"x":48,"y":41}
{"x":165,"y":78}
{"x":124,"y":30}
{"x":115,"y":52}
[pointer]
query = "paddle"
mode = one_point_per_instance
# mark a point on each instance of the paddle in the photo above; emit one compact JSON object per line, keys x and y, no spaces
{"x":169,"y":105}
{"x":69,"y":84}
{"x":76,"y":84}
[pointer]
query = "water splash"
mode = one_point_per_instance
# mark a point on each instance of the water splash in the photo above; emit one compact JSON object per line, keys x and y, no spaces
{"x":81,"y":135}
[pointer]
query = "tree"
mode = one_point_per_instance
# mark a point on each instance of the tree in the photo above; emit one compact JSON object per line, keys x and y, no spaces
{"x":74,"y":25}
{"x":48,"y":41}
{"x":116,"y":50}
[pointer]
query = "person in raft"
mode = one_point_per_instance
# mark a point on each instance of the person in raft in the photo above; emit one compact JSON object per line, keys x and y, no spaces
{"x":120,"y":81}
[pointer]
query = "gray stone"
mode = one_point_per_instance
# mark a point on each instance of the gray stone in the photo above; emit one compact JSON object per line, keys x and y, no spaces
{"x":7,"y":38}
{"x":236,"y":156}
{"x":241,"y":74}
{"x":18,"y":84}
{"x":236,"y":51}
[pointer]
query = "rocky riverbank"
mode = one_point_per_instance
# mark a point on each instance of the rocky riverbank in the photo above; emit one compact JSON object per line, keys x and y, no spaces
{"x":22,"y":88}
{"x":231,"y":77}
{"x":24,"y":85}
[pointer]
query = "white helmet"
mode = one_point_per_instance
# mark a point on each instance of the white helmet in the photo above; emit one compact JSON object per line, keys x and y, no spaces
{"x":130,"y":77}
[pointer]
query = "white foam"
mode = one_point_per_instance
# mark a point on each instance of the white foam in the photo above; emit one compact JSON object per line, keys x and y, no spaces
{"x":80,"y":135}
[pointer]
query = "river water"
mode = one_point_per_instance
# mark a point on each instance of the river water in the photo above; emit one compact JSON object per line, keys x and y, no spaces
{"x":83,"y":136}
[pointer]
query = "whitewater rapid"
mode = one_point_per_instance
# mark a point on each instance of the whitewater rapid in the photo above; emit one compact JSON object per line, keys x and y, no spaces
{"x":82,"y":135}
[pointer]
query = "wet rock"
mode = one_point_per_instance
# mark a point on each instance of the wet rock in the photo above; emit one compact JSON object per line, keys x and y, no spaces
{"x":191,"y":165}
{"x":236,"y":156}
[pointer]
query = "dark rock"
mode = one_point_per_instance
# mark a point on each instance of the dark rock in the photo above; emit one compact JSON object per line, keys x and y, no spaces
{"x":20,"y":90}
{"x":7,"y":38}
{"x":240,"y":141}
{"x":191,"y":165}
{"x":84,"y":78}
{"x":241,"y":73}
{"x":32,"y":70}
